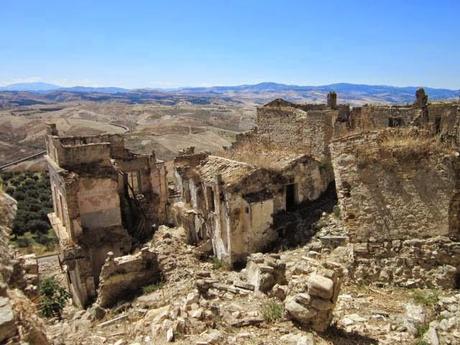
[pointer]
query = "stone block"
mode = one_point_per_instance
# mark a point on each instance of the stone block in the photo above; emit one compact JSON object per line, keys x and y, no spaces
{"x":320,"y":286}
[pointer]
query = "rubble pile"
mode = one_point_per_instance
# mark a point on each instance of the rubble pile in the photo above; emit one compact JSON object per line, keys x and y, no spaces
{"x":265,"y":271}
{"x":446,"y":327}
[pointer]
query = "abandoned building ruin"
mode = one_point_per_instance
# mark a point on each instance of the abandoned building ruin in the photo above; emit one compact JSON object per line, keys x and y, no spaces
{"x":400,"y":213}
{"x":106,"y":199}
{"x":394,"y":171}
{"x":232,"y":204}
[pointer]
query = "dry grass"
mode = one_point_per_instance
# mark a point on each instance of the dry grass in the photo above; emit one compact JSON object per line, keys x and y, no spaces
{"x":262,"y":155}
{"x":402,"y":145}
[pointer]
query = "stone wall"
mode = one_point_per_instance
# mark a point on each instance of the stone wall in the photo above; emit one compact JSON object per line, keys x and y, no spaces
{"x":427,"y":263}
{"x":123,"y":276}
{"x":441,"y":118}
{"x":398,"y":193}
{"x":106,"y":199}
{"x":311,"y":131}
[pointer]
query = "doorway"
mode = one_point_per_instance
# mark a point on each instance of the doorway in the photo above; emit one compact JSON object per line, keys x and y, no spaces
{"x":290,"y":197}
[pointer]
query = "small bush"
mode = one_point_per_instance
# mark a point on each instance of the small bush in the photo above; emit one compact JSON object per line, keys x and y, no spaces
{"x":19,"y":195}
{"x":272,"y":311}
{"x":10,"y":190}
{"x":218,"y":264}
{"x":37,"y":225}
{"x":152,"y":287}
{"x":426,"y":297}
{"x":46,"y":239}
{"x":25,"y":240}
{"x":421,"y":330}
{"x":53,"y":298}
{"x":336,"y":211}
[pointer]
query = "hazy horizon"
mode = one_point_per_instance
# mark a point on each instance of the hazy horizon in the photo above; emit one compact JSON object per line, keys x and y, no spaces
{"x":211,"y":86}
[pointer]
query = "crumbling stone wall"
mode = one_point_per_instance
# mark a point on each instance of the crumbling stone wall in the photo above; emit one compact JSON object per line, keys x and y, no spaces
{"x":398,"y":191}
{"x":371,"y":117}
{"x":309,"y":130}
{"x":105,"y":198}
{"x":229,"y":203}
{"x":384,"y":194}
{"x":440,"y":118}
{"x":123,"y":276}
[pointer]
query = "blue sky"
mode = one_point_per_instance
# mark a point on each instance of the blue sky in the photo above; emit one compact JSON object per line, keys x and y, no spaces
{"x":169,"y":43}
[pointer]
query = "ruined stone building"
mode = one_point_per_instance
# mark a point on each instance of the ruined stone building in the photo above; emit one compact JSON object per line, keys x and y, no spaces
{"x":234,"y":204}
{"x":306,"y":128}
{"x":106,"y":199}
{"x":397,"y":175}
{"x":398,"y":192}
{"x":440,"y":118}
{"x":238,"y":201}
{"x":395,"y":168}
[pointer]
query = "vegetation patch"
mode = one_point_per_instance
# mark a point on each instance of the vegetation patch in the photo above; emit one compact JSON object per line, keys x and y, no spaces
{"x":152,"y":287}
{"x":31,"y":228}
{"x":272,"y":311}
{"x":219,"y":264}
{"x":53,"y":298}
{"x":401,"y":145}
{"x":426,"y":297}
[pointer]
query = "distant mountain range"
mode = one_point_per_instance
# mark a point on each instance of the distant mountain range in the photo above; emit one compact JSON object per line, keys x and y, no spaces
{"x":45,"y":87}
{"x":32,"y":93}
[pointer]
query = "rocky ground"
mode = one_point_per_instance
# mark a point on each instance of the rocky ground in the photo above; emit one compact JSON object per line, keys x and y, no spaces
{"x":202,"y":302}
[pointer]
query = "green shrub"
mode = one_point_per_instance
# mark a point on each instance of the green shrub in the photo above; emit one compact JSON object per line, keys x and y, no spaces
{"x":37,"y":225}
{"x":10,"y":190}
{"x":25,"y":240}
{"x":272,"y":311}
{"x":426,"y":297}
{"x":53,"y":298}
{"x":422,"y":342}
{"x":336,"y":211}
{"x":152,"y":287}
{"x":19,"y":195}
{"x":33,"y":193}
{"x":218,"y":264}
{"x":421,"y":330}
{"x":7,"y":175}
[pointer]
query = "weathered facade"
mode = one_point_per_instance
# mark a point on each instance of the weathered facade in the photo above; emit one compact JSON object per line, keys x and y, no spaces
{"x":399,"y":200}
{"x":106,"y":199}
{"x":306,"y":128}
{"x":235,"y":204}
{"x":229,"y":203}
{"x":440,"y":118}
